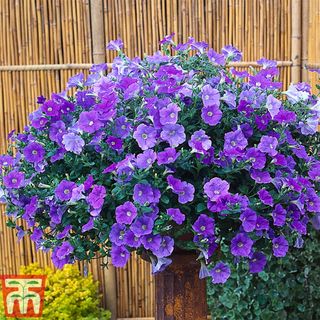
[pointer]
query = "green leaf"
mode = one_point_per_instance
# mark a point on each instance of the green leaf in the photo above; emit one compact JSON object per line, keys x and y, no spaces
{"x":13,"y":282}
{"x":201,"y":207}
{"x":33,"y":282}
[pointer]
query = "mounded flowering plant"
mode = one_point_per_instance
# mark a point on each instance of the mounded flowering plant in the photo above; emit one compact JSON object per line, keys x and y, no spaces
{"x":170,"y":151}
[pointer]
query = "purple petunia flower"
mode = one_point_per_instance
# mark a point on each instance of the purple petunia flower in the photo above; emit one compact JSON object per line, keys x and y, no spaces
{"x":220,"y":273}
{"x":204,"y":225}
{"x":132,"y":240}
{"x":176,"y":215}
{"x":241,"y":245}
{"x":249,"y":220}
{"x":279,"y":215}
{"x":146,"y":159}
{"x":145,"y":194}
{"x":64,"y":189}
{"x":174,"y":134}
{"x":73,"y":143}
{"x":280,"y":246}
{"x":268,"y":145}
{"x":210,"y":96}
{"x":126,"y":213}
{"x":169,"y":114}
{"x":117,"y":234}
{"x":184,"y":190}
{"x":142,"y":226}
{"x":256,"y":157}
{"x":151,"y":242}
{"x":122,"y":127}
{"x":260,"y":176}
{"x":61,"y":254}
{"x":96,"y":197}
{"x":88,"y":226}
{"x":234,"y":140}
{"x":56,"y":131}
{"x":119,"y":255}
{"x":14,"y":180}
{"x":216,"y":188}
{"x":145,"y":136}
{"x":89,"y":121}
{"x":50,"y":108}
{"x":257,"y":262}
{"x":265,"y":197}
{"x":6,"y":160}
{"x":114,"y":143}
{"x":200,"y":142}
{"x":34,"y":152}
{"x":168,"y":155}
{"x":211,"y":115}
{"x":166,"y":247}
{"x":116,"y":45}
{"x":262,"y":224}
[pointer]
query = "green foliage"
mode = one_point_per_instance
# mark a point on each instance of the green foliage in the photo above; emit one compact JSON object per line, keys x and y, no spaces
{"x":287,"y":289}
{"x":68,"y":295}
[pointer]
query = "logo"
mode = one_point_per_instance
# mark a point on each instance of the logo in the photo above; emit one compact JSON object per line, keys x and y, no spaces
{"x":23,"y":295}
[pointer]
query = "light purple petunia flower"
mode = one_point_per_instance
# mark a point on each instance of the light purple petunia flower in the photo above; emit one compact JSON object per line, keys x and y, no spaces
{"x":266,"y":64}
{"x":249,"y":220}
{"x":168,"y":155}
{"x":220,"y":273}
{"x":6,"y":160}
{"x":145,"y":136}
{"x":174,"y":134}
{"x":216,"y":57}
{"x":64,"y":189}
{"x":309,"y":127}
{"x":116,"y":45}
{"x":200,"y":142}
{"x":279,"y":215}
{"x":126,"y":213}
{"x":241,"y":245}
{"x":73,"y":143}
{"x":119,"y":255}
{"x":76,"y":81}
{"x":61,"y":254}
{"x":265,"y":197}
{"x":34,"y":152}
{"x":146,"y":159}
{"x":234,"y":140}
{"x":89,"y":121}
{"x":231,"y":53}
{"x":169,"y":114}
{"x":96,"y":196}
{"x":273,"y":105}
{"x":280,"y":246}
{"x":184,"y":190}
{"x":167,"y":39}
{"x":122,"y":127}
{"x":257,"y":262}
{"x":176,"y":215}
{"x":56,"y":131}
{"x":211,"y":115}
{"x":145,"y":194}
{"x":14,"y":180}
{"x":204,"y":225}
{"x":210,"y":96}
{"x":216,"y":188}
{"x":143,"y":225}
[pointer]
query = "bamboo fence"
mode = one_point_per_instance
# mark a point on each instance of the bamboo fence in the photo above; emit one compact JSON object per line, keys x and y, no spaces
{"x":44,"y":42}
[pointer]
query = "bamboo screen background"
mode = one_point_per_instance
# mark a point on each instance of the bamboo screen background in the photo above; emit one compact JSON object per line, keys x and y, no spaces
{"x":46,"y":32}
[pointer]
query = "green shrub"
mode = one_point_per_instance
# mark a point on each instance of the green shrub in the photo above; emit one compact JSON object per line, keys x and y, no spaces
{"x":288,"y":289}
{"x":68,"y":295}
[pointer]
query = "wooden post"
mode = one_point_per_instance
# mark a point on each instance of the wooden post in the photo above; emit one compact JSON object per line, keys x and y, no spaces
{"x":296,"y":40}
{"x":98,"y":56}
{"x":180,"y":294}
{"x":305,"y":38}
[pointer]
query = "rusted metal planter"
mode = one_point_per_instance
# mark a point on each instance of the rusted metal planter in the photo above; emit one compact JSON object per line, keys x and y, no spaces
{"x":180,"y":294}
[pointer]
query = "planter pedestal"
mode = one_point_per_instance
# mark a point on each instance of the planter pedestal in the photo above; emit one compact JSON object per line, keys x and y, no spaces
{"x":180,"y":294}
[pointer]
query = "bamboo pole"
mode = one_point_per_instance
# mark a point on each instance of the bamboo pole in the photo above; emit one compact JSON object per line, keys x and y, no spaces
{"x":305,"y":31}
{"x":296,"y":40}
